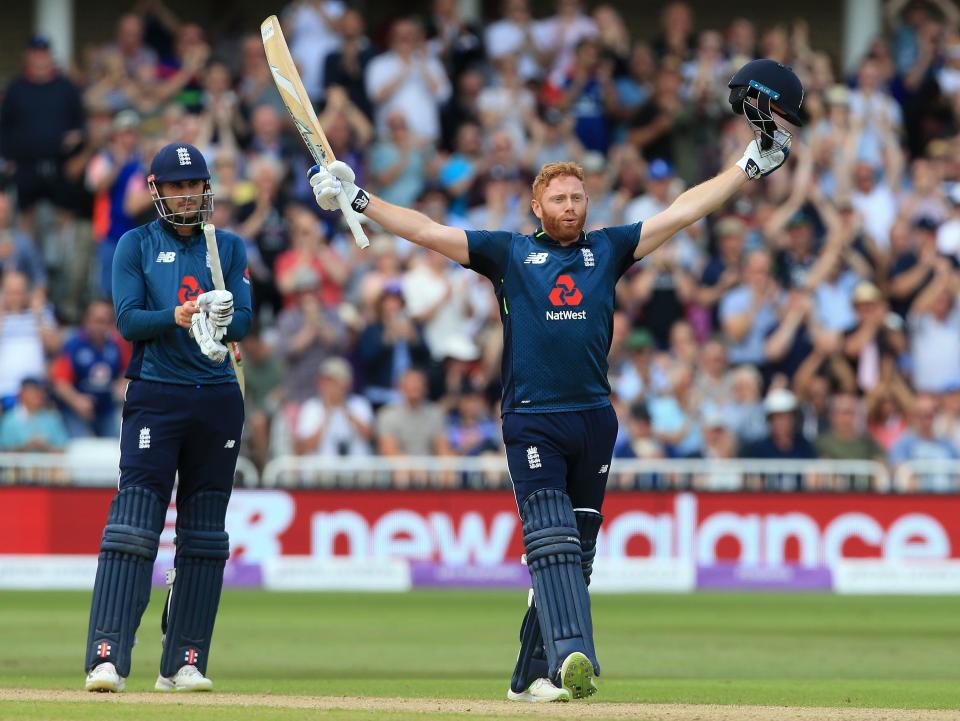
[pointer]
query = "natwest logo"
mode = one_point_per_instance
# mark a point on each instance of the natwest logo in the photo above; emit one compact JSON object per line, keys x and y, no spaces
{"x":565,"y":292}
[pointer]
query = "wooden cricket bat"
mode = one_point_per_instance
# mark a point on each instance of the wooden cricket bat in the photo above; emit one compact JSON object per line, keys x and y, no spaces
{"x":298,"y":104}
{"x":216,"y":270}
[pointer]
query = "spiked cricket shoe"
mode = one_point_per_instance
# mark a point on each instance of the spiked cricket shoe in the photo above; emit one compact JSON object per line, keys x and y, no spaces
{"x":105,"y":679}
{"x":188,"y":678}
{"x":541,"y":690}
{"x":577,"y":675}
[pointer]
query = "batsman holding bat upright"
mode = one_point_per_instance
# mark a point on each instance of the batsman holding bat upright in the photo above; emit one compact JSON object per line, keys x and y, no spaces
{"x":183,"y":413}
{"x":556,"y":293}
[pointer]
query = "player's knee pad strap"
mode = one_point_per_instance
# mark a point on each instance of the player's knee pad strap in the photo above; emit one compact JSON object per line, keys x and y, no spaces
{"x":555,"y":559}
{"x":588,"y":525}
{"x":203,"y":548}
{"x":122,"y":587}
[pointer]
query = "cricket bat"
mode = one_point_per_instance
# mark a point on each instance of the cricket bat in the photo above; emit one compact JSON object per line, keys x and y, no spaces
{"x":298,"y":104}
{"x":216,"y":270}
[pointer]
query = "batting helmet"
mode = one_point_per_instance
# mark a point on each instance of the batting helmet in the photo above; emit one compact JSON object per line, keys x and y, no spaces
{"x":761,"y":88}
{"x":177,"y":162}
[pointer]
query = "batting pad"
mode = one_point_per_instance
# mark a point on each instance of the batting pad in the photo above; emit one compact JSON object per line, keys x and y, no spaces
{"x":122,"y":587}
{"x":532,"y":660}
{"x":202,"y":551}
{"x":555,"y":559}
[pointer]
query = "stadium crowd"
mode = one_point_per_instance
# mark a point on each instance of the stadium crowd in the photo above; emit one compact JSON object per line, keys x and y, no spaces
{"x":816,"y":316}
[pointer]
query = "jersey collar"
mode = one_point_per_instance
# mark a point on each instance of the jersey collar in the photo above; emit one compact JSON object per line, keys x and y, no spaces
{"x":541,"y":235}
{"x":168,"y":228}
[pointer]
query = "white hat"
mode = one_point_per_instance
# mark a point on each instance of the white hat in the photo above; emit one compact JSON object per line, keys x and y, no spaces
{"x":779,"y":400}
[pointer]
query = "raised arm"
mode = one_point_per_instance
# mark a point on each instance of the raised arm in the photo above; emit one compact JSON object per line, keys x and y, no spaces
{"x":703,"y":199}
{"x":412,"y":225}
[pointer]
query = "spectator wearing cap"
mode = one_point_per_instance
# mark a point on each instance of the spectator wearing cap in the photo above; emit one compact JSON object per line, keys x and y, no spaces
{"x":876,"y":338}
{"x":389,"y":347}
{"x":914,"y":268}
{"x":41,"y":123}
{"x":28,"y":333}
{"x":934,"y":330}
{"x":335,"y":422}
{"x":784,"y":440}
{"x":845,"y":439}
{"x":88,"y":377}
{"x":116,"y":176}
{"x":921,"y":443}
{"x":640,"y":375}
{"x":32,"y":427}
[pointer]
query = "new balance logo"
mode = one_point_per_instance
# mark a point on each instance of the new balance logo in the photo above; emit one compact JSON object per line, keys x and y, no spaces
{"x":166,"y":257}
{"x":533,"y":457}
{"x":183,"y":156}
{"x":565,"y":292}
{"x":587,"y":257}
{"x":229,"y":444}
{"x":536,"y":259}
{"x":144,"y":438}
{"x":604,"y":468}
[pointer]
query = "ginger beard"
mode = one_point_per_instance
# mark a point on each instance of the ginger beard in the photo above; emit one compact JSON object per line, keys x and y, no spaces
{"x":562,"y":208}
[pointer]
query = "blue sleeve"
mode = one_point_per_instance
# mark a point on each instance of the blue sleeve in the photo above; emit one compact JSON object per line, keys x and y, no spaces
{"x":134,"y":322}
{"x":489,"y":252}
{"x":624,"y":239}
{"x":236,"y":280}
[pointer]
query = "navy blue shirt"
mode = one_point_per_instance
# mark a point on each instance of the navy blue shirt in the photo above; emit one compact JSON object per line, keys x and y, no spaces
{"x":154,"y":271}
{"x":556,"y":304}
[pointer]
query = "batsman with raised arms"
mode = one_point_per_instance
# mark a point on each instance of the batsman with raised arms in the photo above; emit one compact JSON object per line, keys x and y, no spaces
{"x":183,"y":413}
{"x":556,"y":293}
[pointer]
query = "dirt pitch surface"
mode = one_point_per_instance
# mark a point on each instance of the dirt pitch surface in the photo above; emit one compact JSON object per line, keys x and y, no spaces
{"x":586,"y":710}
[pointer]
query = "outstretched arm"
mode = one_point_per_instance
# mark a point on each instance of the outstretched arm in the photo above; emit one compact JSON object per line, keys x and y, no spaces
{"x":703,"y":199}
{"x":412,"y":225}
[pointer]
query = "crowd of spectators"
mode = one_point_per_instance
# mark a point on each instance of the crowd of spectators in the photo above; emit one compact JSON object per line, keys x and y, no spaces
{"x":815,"y":316}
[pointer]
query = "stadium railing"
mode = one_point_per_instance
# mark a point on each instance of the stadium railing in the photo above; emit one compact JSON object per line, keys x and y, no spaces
{"x":927,"y":476}
{"x":94,"y":463}
{"x":490,"y":472}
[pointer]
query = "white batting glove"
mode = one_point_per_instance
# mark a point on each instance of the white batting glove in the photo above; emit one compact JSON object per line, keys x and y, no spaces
{"x":757,"y":162}
{"x":329,"y":182}
{"x":202,"y":331}
{"x":218,"y":305}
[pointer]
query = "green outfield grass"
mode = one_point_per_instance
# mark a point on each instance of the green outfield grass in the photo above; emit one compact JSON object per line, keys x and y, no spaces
{"x":783,"y":649}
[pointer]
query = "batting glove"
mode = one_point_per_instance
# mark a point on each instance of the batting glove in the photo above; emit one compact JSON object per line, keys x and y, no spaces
{"x":202,"y":331}
{"x":757,"y":162}
{"x":336,"y":178}
{"x":218,"y":305}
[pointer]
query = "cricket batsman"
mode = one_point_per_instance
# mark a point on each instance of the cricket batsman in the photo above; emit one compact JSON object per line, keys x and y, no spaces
{"x":182,"y":414}
{"x":556,"y":294}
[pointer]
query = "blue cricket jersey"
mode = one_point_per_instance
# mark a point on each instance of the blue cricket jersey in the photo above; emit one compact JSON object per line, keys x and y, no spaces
{"x":556,"y":304}
{"x":154,"y":271}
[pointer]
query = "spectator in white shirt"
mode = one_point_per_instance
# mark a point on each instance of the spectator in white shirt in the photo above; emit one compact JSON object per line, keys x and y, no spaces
{"x":313,"y":30}
{"x":519,"y":35}
{"x":934,"y":323}
{"x":335,"y":422}
{"x":408,"y":80}
{"x":28,"y":332}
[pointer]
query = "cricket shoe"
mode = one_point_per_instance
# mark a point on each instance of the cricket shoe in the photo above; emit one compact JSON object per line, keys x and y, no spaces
{"x":541,"y":690}
{"x":188,"y":678}
{"x":577,"y":675}
{"x":105,"y":679}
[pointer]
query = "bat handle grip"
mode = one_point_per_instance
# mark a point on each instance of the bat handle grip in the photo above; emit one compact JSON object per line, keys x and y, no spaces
{"x":352,"y":221}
